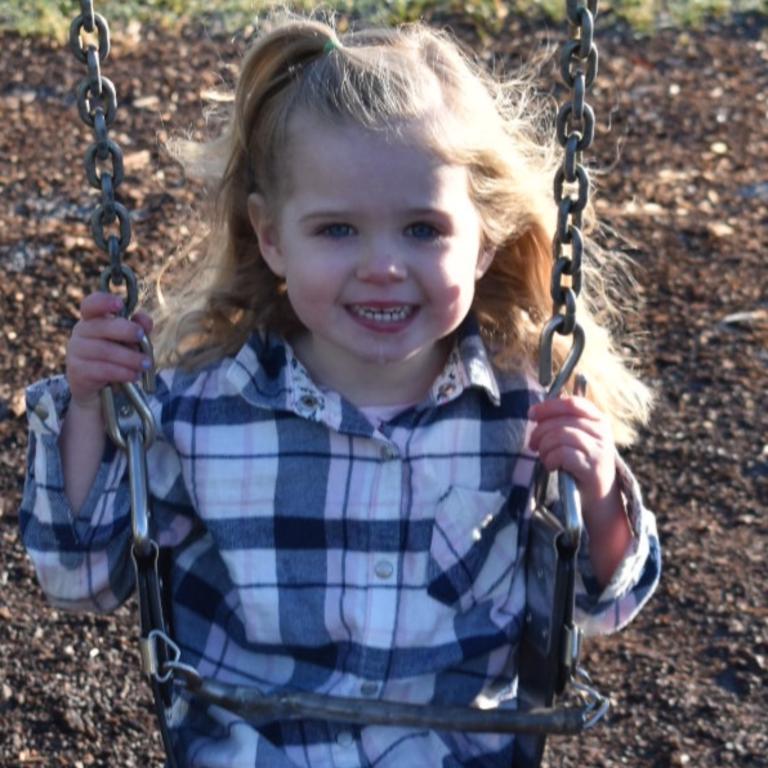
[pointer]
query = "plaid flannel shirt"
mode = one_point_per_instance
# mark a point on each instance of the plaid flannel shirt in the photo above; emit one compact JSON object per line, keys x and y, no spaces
{"x":314,"y":550}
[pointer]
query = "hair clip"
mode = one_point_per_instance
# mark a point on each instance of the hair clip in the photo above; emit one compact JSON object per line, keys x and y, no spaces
{"x":330,"y":46}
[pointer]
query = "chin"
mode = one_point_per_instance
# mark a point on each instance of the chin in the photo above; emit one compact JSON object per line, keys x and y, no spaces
{"x":382,"y":357}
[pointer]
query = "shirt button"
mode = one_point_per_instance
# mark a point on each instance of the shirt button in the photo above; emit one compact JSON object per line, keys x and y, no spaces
{"x":383,"y":569}
{"x":388,"y":452}
{"x":369,"y":688}
{"x":446,"y":390}
{"x":309,"y":401}
{"x":345,"y":739}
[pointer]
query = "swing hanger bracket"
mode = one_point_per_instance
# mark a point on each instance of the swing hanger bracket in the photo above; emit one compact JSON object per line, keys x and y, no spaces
{"x":151,"y":655}
{"x":131,"y":425}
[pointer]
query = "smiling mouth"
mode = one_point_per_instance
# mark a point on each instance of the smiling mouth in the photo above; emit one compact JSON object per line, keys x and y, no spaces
{"x":379,"y":315}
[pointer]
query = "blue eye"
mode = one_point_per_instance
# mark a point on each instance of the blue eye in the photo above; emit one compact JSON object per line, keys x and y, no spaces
{"x":336,"y":230}
{"x":422,"y":231}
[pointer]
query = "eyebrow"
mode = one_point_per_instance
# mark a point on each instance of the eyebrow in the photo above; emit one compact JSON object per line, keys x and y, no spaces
{"x":343,"y":213}
{"x":329,"y":214}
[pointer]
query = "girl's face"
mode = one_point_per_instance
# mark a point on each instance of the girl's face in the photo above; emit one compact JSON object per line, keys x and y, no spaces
{"x":380,"y":247}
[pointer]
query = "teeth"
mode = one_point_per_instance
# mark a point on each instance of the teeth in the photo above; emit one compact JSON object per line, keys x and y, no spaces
{"x":395,"y":315}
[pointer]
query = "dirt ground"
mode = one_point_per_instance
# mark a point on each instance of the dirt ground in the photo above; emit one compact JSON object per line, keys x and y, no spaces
{"x":683,"y":142}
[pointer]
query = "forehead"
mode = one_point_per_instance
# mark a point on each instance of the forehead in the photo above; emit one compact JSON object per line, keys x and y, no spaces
{"x":327,"y":158}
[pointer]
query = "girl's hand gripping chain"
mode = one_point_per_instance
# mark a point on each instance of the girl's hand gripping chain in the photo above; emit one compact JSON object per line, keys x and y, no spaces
{"x":573,"y":435}
{"x":102,"y":349}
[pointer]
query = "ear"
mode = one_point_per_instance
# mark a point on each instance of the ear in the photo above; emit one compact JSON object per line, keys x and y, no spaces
{"x":266,"y":233}
{"x":484,"y":261}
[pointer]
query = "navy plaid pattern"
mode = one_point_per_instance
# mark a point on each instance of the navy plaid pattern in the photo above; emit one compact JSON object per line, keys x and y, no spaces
{"x":315,"y":550}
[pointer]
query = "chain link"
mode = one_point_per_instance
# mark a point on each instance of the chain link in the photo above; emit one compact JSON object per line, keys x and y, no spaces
{"x":104,"y":166}
{"x":575,"y":132}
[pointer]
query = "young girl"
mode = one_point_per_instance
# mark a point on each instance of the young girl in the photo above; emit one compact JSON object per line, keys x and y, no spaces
{"x":348,"y":423}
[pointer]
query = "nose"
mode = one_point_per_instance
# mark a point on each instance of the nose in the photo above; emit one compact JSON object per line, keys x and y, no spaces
{"x":380,"y":263}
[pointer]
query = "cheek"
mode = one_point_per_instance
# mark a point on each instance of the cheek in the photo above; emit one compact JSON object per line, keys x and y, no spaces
{"x":454,"y":294}
{"x":450,"y":306}
{"x":465,"y":299}
{"x":310,"y":292}
{"x":456,"y":281}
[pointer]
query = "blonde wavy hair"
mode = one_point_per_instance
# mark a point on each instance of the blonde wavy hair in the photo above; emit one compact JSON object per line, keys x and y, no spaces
{"x":385,"y":80}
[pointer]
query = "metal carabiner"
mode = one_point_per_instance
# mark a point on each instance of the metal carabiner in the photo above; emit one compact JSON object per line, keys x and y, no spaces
{"x":570,"y":499}
{"x":138,"y":486}
{"x":150,"y":656}
{"x":573,"y":522}
{"x":597,"y":705}
{"x":545,"y":355}
{"x":137,"y":399}
{"x":113,"y":419}
{"x":133,"y":430}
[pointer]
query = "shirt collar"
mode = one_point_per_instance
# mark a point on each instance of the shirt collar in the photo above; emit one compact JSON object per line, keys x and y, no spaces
{"x":267,"y":373}
{"x":467,"y":366}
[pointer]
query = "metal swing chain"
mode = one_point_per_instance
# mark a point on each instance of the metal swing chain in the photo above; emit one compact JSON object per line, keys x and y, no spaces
{"x":97,"y":105}
{"x":575,"y":133}
{"x":89,"y":41}
{"x":129,"y":419}
{"x":575,"y":130}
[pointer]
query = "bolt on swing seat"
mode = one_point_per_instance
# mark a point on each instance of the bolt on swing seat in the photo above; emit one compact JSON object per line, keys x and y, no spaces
{"x":550,"y":646}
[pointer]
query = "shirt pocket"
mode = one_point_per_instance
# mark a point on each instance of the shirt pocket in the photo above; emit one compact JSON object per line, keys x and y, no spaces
{"x":473,"y":548}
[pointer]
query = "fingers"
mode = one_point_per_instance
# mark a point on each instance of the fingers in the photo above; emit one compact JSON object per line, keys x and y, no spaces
{"x":103,"y":347}
{"x":553,"y":429}
{"x":100,"y":304}
{"x":99,"y":315}
{"x":589,"y":460}
{"x":574,"y":411}
{"x":145,"y":321}
{"x":575,"y":462}
{"x":570,"y":448}
{"x":94,"y":350}
{"x":571,"y":406}
{"x":573,"y":435}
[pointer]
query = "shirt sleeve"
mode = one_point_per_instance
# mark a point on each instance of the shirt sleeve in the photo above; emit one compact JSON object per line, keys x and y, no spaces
{"x":82,"y":560}
{"x":635,"y":578}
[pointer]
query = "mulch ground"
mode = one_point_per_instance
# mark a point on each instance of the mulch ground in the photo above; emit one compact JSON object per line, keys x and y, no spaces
{"x":682,"y":138}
